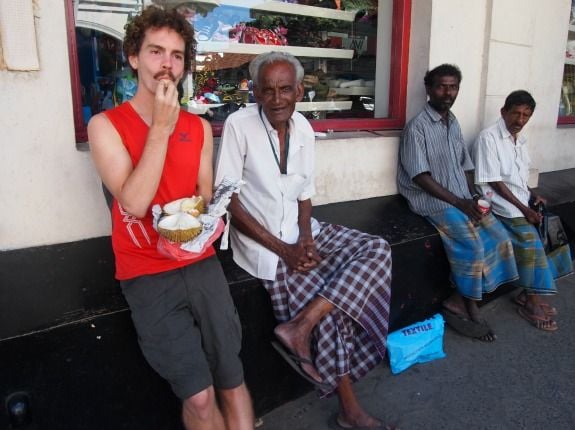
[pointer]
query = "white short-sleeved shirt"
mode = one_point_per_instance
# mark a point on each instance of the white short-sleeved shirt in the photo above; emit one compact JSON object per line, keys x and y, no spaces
{"x":245,"y":153}
{"x":498,"y":158}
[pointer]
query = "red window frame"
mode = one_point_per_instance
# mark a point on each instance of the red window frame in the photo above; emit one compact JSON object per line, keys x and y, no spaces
{"x":400,"y":32}
{"x":566,"y":120}
{"x":81,"y":132}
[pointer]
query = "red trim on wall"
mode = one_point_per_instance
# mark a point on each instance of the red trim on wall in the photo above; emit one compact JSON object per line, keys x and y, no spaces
{"x":400,"y":33}
{"x":400,"y":59}
{"x":81,"y":132}
{"x":566,"y":120}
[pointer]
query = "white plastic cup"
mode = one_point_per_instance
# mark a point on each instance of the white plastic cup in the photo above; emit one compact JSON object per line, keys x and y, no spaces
{"x":484,"y":206}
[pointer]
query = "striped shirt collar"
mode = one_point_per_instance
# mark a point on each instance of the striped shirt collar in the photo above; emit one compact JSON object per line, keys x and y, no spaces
{"x":436,"y":116}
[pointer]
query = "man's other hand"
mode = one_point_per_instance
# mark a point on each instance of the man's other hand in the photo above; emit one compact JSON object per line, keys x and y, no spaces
{"x":166,"y":105}
{"x":302,"y":256}
{"x":538,"y":199}
{"x":470,"y":208}
{"x":533,"y":217}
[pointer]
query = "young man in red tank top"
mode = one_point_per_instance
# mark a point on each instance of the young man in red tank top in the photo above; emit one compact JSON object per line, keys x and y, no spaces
{"x":148,"y":151}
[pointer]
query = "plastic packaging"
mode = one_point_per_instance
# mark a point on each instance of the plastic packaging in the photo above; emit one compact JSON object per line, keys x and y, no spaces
{"x":418,"y":343}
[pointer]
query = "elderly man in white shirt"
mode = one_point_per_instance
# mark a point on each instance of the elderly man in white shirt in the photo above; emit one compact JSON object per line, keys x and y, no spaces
{"x":329,"y":285}
{"x":501,"y":173}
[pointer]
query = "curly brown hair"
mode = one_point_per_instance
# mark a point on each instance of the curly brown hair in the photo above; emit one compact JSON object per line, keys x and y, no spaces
{"x":156,"y":18}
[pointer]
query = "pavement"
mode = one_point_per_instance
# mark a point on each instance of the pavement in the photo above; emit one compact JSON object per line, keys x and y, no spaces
{"x":523,"y":380}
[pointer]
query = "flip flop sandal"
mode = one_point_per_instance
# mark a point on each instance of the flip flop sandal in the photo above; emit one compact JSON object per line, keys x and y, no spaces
{"x":547,"y":308}
{"x":295,"y":362}
{"x":545,"y":324}
{"x":467,"y":327}
{"x":335,"y":423}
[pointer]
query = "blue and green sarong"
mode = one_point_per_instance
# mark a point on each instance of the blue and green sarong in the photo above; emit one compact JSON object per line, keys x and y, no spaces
{"x":480,"y":256}
{"x":537,"y":270}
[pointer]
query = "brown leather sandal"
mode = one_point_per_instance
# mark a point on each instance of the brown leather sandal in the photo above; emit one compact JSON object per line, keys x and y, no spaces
{"x":521,"y":300}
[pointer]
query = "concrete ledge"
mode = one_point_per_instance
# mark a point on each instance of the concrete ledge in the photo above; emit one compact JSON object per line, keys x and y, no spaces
{"x":66,"y":336}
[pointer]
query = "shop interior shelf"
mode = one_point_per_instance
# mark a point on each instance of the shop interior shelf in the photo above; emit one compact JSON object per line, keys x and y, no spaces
{"x":300,"y":106}
{"x":323,"y":106}
{"x":355,"y":91}
{"x":284,"y":8}
{"x":298,"y":51}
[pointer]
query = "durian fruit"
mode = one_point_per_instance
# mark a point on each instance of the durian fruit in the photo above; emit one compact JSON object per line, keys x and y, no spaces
{"x":179,"y":227}
{"x":192,"y":205}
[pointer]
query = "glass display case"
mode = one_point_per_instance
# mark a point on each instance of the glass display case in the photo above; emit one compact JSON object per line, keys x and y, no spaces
{"x":345,"y":47}
{"x":336,"y":43}
{"x":567,"y":101}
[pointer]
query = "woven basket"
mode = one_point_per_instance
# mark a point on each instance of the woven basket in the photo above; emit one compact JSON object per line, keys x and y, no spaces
{"x":215,"y":61}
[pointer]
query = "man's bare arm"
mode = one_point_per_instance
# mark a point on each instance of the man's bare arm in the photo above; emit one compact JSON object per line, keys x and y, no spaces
{"x":305,"y":239}
{"x":134,"y":188}
{"x":205,"y":181}
{"x":470,"y":177}
{"x":501,"y":189}
{"x":294,"y":255}
{"x":430,"y":185}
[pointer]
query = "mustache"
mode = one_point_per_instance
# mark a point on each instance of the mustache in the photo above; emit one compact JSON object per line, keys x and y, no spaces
{"x":165,"y":73}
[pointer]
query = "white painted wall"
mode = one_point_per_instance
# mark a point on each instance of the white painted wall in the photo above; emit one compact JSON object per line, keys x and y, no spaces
{"x":535,"y":48}
{"x":457,"y":37}
{"x":419,"y":44}
{"x":50,"y":192}
{"x":353,"y":168}
{"x":501,"y":46}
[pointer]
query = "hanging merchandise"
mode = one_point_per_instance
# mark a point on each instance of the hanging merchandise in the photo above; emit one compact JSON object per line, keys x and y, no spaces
{"x":125,"y":87}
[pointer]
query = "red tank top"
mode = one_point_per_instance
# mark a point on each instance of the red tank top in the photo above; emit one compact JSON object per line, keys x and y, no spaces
{"x":134,"y":239}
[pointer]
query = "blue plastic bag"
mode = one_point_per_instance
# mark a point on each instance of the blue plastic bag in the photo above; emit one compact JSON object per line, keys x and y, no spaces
{"x":418,"y":343}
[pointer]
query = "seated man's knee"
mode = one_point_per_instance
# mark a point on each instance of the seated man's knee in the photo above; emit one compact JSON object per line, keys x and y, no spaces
{"x":379,"y":246}
{"x":382,"y":244}
{"x":477,"y":249}
{"x":201,"y":405}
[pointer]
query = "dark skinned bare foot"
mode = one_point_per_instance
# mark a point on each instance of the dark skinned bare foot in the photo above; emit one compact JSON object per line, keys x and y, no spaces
{"x":362,"y":421}
{"x":339,"y":423}
{"x":536,"y":315}
{"x":522,"y":298}
{"x":290,"y":335}
{"x":467,"y":319}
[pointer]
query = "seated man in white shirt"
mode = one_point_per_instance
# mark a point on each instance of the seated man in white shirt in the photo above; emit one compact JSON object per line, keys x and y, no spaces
{"x":501,"y":171}
{"x":329,"y":285}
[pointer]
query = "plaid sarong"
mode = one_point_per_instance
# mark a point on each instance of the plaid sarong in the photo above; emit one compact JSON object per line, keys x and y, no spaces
{"x":480,"y":256}
{"x":355,"y":276}
{"x":537,"y":270}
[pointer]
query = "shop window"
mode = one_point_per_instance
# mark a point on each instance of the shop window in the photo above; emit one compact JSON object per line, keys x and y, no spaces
{"x":354,"y":53}
{"x":567,"y":101}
